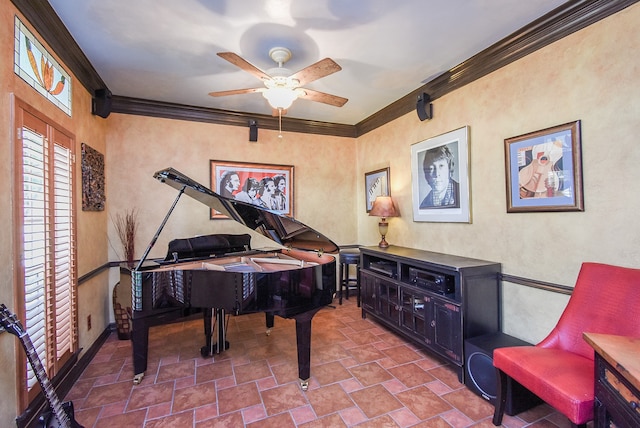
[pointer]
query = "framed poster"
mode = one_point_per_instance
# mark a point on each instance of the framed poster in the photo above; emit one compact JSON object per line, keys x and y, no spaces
{"x":376,"y":183}
{"x":440,"y":178}
{"x":267,"y":186}
{"x":544,"y":170}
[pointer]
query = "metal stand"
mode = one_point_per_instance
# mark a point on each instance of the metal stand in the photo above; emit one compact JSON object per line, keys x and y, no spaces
{"x":211,"y":324}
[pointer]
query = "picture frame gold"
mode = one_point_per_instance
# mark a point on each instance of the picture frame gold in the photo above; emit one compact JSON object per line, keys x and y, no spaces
{"x":544,"y":170}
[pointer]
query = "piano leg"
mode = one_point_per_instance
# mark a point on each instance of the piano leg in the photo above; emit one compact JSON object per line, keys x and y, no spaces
{"x":269,"y":319}
{"x":140,"y":325}
{"x":303,"y":339}
{"x":140,"y":343}
{"x":217,"y":347}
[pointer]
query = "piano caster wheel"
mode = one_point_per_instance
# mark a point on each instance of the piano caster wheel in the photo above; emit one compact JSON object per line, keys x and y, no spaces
{"x":268,"y":332}
{"x":304,"y":385}
{"x":138,"y":378}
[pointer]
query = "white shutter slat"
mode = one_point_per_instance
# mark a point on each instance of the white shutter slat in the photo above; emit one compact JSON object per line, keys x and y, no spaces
{"x":48,"y":259}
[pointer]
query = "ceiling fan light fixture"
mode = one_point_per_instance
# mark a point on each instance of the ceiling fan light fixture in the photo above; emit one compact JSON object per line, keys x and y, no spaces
{"x":281,"y":87}
{"x":280,"y":98}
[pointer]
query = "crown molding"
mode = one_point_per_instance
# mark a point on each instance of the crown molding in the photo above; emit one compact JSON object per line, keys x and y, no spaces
{"x":560,"y":22}
{"x":166,"y":110}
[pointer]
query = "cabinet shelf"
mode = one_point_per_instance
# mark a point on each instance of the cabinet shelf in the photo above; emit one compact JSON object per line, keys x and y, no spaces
{"x":436,"y":300}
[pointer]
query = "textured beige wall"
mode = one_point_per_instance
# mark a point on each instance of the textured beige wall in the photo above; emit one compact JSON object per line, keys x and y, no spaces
{"x":324,"y":176}
{"x":8,"y":347}
{"x":93,"y":296}
{"x":592,"y":76}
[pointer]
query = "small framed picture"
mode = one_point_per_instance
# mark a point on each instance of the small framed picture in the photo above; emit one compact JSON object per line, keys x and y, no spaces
{"x":376,"y":183}
{"x":544,"y":170}
{"x":440,"y":178}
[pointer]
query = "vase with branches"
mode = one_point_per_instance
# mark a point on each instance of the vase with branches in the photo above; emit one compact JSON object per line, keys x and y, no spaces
{"x":126,"y":225}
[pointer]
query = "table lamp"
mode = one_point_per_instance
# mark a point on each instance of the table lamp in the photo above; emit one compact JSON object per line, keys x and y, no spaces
{"x":383,"y":207}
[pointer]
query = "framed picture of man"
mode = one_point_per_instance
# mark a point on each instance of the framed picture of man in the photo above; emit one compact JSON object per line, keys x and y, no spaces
{"x":440,"y":178}
{"x":267,"y":186}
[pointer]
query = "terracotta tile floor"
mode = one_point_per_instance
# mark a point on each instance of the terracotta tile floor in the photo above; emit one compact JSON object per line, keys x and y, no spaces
{"x":362,"y":375}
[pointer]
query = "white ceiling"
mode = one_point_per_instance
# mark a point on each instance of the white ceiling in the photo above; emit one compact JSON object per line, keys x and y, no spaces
{"x":165,"y":50}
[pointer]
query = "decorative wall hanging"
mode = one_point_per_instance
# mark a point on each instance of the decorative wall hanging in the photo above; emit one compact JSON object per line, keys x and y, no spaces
{"x":267,"y":186}
{"x":93,"y":195}
{"x":376,"y":183}
{"x":440,"y":178}
{"x":544,"y":170}
{"x":39,"y":68}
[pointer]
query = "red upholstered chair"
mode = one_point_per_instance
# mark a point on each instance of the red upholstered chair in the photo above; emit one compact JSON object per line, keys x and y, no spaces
{"x":560,"y":369}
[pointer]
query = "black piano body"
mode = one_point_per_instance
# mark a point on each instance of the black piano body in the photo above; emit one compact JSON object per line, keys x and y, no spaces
{"x":220,"y":274}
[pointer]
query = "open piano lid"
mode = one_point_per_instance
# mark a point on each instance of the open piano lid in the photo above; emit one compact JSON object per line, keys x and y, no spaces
{"x":284,"y":230}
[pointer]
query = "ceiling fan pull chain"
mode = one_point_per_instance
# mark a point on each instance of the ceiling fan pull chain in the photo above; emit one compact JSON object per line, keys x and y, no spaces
{"x":280,"y":122}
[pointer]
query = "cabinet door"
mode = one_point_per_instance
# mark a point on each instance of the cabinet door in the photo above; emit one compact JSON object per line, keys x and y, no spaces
{"x":444,"y":332}
{"x":368,"y":292}
{"x":412,"y":312}
{"x":389,"y":300}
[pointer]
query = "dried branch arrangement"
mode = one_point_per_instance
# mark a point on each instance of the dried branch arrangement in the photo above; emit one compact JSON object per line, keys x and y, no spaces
{"x":126,"y":225}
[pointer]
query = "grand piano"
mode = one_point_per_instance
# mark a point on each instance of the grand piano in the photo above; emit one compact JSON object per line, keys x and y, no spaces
{"x":221,"y":275}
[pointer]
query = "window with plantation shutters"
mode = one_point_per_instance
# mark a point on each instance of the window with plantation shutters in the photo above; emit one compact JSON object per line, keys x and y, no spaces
{"x":46,"y":276}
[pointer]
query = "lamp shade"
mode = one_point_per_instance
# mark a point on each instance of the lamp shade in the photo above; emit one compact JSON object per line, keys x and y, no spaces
{"x":383,"y":207}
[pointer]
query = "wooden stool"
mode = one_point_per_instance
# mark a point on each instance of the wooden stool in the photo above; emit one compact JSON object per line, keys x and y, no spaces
{"x":349,"y":257}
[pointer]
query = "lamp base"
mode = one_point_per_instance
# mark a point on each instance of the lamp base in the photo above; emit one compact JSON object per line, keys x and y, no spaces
{"x":383,"y":227}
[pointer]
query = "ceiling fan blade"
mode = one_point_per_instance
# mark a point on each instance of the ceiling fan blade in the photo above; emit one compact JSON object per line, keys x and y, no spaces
{"x":315,"y":71}
{"x":322,"y":97}
{"x":235,"y":92}
{"x":245,"y":65}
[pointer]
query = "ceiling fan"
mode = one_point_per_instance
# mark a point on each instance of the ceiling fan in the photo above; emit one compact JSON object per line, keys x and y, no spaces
{"x":282,"y":87}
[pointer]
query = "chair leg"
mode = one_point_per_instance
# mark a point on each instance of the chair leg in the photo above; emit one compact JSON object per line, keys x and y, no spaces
{"x":340,"y":284}
{"x":501,"y":399}
{"x":345,"y":280}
